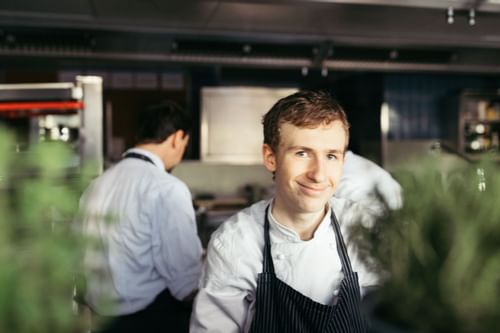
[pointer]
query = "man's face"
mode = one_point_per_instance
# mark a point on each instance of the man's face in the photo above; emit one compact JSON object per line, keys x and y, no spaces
{"x":307,"y":164}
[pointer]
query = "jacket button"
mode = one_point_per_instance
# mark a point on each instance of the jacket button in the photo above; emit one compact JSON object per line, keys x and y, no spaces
{"x":280,"y":256}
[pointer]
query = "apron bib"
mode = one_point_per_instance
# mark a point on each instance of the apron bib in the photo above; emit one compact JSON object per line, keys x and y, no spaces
{"x":280,"y":308}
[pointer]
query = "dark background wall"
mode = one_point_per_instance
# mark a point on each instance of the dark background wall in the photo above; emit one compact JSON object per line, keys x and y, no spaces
{"x":419,"y":103}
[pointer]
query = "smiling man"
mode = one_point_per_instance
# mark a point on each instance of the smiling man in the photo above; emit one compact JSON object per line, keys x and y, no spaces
{"x":282,"y":265}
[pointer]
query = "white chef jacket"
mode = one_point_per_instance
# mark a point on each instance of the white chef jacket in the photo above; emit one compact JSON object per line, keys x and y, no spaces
{"x":363,"y":179}
{"x":143,"y":237}
{"x":226,"y":299}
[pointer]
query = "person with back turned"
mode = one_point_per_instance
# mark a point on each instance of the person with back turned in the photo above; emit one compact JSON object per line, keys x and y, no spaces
{"x":143,"y":263}
{"x":282,"y":265}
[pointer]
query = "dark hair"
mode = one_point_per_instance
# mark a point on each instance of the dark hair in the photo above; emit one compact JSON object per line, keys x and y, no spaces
{"x":158,"y":122}
{"x":306,"y":109}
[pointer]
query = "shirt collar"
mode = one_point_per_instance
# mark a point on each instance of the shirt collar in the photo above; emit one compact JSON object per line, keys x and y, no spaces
{"x":292,"y":235}
{"x":155,"y":158}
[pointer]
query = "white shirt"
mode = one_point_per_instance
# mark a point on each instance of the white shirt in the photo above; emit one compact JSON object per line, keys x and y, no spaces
{"x":143,"y":235}
{"x":362,"y":179}
{"x":226,"y":299}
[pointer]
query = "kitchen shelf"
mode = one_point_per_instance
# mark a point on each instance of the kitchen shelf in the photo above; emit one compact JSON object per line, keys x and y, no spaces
{"x":479,"y":123}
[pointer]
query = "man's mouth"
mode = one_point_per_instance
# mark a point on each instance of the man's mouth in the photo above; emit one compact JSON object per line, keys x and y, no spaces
{"x":312,"y":189}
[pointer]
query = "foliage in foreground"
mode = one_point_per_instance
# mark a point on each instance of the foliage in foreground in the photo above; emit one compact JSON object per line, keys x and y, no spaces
{"x":440,"y":252}
{"x":39,"y":249}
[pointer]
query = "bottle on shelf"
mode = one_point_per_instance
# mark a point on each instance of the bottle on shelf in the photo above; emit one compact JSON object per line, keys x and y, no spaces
{"x":495,"y":144}
{"x":493,"y":110}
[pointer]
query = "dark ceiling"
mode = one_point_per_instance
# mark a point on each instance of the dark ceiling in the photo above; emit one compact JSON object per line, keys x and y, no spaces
{"x":345,"y":34}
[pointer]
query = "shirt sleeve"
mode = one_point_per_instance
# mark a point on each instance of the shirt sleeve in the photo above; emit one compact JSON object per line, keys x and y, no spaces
{"x":223,"y":301}
{"x":177,"y":249}
{"x":390,"y":190}
{"x":351,"y":214}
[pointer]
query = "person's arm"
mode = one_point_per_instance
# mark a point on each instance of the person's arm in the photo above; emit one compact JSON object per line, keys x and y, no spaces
{"x":222,"y":303}
{"x":176,"y":247}
{"x":352,"y":214}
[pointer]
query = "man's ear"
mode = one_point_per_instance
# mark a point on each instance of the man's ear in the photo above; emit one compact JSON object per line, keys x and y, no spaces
{"x":269,"y":157}
{"x":179,"y":138}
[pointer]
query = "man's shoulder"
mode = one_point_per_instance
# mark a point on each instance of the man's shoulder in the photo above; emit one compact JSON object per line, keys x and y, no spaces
{"x":244,"y":227}
{"x":235,"y":248}
{"x":168,"y":178}
{"x":149,"y":180}
{"x":167,"y":183}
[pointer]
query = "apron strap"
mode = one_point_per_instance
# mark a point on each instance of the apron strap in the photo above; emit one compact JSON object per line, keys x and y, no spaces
{"x":139,"y":156}
{"x":341,"y":247}
{"x":268,"y":265}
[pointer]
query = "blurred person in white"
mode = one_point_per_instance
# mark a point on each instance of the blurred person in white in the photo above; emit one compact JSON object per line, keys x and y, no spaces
{"x":366,"y":183}
{"x":142,"y":271}
{"x":282,"y":265}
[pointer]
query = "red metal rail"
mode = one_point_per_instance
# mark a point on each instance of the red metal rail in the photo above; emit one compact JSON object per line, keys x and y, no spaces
{"x":27,"y":109}
{"x":12,"y":106}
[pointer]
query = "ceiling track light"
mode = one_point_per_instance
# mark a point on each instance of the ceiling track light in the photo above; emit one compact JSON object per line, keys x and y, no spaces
{"x":450,"y":15}
{"x":472,"y":16}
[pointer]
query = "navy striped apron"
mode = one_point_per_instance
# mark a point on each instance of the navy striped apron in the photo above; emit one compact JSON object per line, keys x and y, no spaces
{"x":280,"y":308}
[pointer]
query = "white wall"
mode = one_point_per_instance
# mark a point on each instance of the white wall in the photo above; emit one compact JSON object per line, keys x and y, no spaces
{"x":221,"y":179}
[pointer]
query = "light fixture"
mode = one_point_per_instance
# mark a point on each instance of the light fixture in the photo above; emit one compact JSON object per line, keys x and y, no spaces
{"x":324,"y":72}
{"x":472,"y":16}
{"x":305,"y":71}
{"x":450,"y":15}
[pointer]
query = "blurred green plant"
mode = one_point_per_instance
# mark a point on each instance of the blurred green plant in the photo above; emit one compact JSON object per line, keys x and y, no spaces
{"x":39,"y":247}
{"x":439,"y":254}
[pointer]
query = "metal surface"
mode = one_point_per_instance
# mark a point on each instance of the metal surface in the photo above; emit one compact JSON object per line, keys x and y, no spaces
{"x":56,"y":99}
{"x":39,"y":92}
{"x":92,"y":122}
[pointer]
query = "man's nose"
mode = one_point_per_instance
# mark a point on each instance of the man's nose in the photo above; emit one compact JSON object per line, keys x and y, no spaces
{"x":317,"y":170}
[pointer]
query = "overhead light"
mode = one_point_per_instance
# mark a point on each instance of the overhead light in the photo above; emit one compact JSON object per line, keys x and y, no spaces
{"x":472,"y":16}
{"x":450,"y":15}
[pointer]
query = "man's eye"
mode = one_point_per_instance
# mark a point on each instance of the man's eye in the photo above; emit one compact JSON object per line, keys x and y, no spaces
{"x":331,"y":156}
{"x":301,"y":154}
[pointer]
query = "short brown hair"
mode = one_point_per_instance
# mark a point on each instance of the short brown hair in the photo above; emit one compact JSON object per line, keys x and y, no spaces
{"x":306,"y":109}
